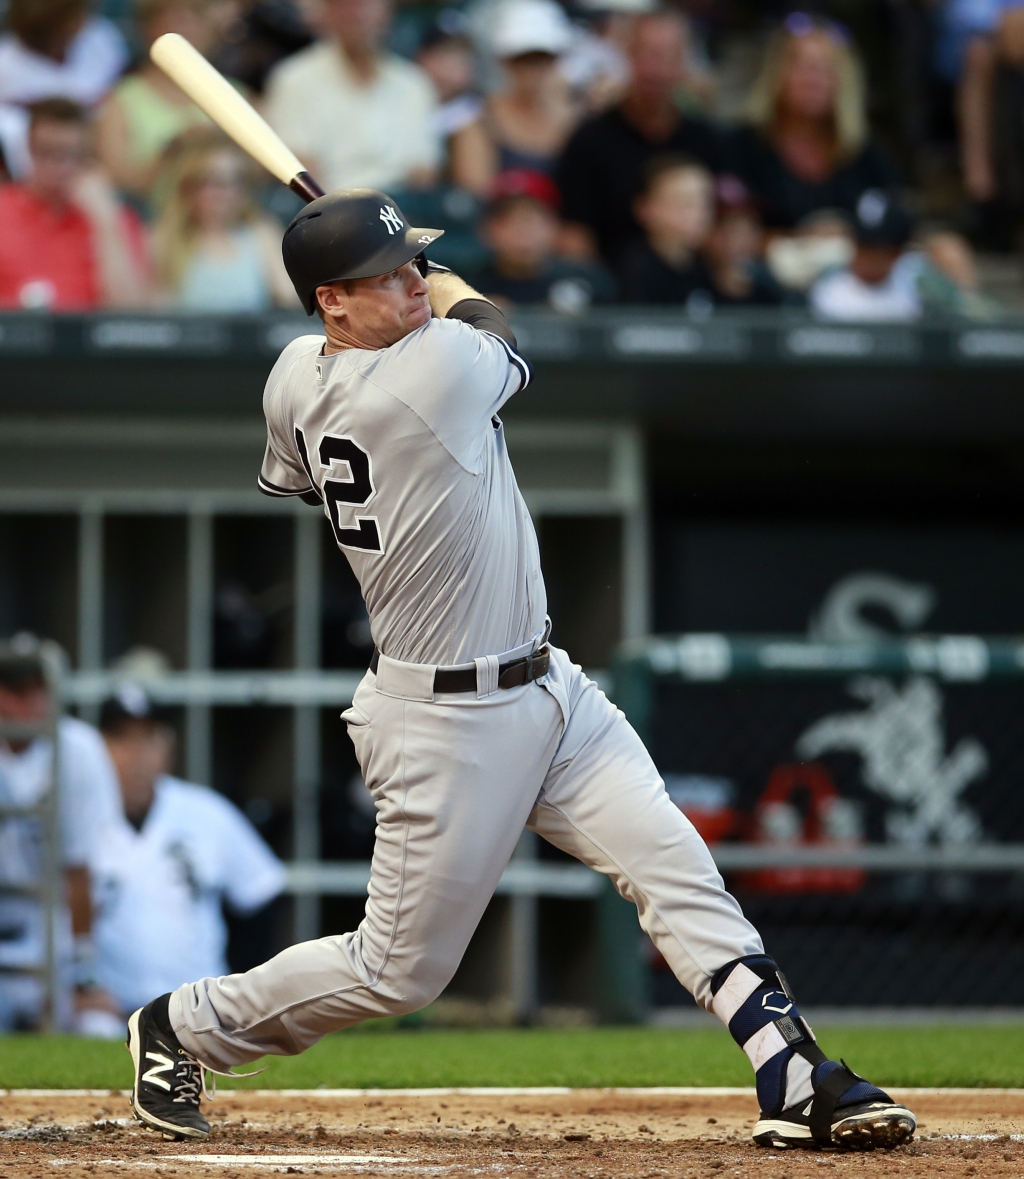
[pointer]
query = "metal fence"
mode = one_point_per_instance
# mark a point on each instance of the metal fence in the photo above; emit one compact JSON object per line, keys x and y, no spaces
{"x":572,"y":473}
{"x":862,"y":799}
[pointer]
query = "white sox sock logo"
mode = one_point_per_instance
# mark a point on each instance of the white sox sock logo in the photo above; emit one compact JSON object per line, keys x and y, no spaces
{"x":163,"y":1063}
{"x":391,"y":219}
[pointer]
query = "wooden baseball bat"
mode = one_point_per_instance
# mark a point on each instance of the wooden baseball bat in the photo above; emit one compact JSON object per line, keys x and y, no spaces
{"x":215,"y":95}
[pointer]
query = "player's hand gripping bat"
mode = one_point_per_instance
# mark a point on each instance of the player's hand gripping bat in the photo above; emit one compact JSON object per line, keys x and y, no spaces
{"x":215,"y":95}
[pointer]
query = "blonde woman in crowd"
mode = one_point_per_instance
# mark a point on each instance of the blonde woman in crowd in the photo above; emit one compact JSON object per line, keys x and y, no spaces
{"x":213,"y":249}
{"x":146,"y":110}
{"x":807,"y":146}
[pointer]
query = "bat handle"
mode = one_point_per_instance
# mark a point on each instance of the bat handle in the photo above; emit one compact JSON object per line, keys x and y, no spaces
{"x":306,"y":187}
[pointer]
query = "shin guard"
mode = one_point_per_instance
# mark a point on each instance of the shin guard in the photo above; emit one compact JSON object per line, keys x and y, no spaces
{"x":753,"y":1000}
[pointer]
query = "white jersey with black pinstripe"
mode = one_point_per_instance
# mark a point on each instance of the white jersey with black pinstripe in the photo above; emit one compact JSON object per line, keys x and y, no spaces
{"x":403,"y":447}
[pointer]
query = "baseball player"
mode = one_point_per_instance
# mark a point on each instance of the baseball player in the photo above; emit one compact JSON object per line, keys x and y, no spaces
{"x":469,"y":724}
{"x":87,"y":804}
{"x":162,"y":869}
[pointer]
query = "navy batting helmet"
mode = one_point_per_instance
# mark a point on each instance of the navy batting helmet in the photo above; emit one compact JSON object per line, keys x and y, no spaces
{"x":354,"y":233}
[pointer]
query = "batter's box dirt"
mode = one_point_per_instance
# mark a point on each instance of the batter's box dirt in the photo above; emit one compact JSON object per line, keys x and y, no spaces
{"x":584,"y":1134}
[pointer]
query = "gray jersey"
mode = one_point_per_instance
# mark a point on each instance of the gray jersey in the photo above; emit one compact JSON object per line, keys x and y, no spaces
{"x":403,"y":447}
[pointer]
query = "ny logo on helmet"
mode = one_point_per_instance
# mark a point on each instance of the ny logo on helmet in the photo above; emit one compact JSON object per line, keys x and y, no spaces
{"x":391,"y":219}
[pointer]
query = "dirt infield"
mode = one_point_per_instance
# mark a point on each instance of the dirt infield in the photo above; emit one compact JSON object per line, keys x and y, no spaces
{"x":585,"y":1134}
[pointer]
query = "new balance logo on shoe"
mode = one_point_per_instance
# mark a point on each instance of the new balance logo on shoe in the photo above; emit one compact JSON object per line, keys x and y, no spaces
{"x":163,"y":1064}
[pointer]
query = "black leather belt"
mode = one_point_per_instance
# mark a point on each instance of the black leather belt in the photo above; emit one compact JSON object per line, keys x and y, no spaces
{"x":510,"y":675}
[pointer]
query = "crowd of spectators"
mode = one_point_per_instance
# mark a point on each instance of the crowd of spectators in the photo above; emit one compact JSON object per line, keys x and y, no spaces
{"x":573,"y":154}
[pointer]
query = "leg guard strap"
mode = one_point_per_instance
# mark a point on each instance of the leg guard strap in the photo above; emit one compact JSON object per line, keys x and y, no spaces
{"x":828,"y":1091}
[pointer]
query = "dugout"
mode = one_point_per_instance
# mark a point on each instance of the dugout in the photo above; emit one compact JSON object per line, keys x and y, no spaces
{"x":716,"y":475}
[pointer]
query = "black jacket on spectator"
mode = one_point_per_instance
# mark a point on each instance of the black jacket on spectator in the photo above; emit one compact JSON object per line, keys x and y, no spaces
{"x":784,"y":199}
{"x":595,"y":283}
{"x":601,"y":172}
{"x":645,"y":277}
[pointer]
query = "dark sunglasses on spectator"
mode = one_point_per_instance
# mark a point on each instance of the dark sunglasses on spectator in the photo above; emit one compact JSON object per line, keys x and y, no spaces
{"x":802,"y":24}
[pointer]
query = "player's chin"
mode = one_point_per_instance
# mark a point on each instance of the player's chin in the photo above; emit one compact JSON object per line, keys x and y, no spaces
{"x":416,"y":319}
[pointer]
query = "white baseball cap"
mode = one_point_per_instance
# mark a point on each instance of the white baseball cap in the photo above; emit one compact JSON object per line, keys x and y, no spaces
{"x":530,"y":26}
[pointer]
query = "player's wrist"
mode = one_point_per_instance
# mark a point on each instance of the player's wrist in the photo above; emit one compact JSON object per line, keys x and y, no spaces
{"x":446,"y":290}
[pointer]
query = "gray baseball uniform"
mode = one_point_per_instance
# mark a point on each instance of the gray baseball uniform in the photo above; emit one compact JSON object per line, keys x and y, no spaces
{"x":403,"y":447}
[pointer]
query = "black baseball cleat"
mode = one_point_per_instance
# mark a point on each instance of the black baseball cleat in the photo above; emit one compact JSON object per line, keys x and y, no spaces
{"x":168,"y":1079}
{"x":845,"y":1111}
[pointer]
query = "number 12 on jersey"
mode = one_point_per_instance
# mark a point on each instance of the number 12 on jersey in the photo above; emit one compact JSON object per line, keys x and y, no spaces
{"x":356,"y":491}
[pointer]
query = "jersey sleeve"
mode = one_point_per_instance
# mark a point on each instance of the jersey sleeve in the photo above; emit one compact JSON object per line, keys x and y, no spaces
{"x":284,"y":473}
{"x":455,"y":377}
{"x":88,"y":798}
{"x":250,"y":875}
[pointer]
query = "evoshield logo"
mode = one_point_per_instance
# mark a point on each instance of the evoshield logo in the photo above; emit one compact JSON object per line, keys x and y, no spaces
{"x":779,"y":1003}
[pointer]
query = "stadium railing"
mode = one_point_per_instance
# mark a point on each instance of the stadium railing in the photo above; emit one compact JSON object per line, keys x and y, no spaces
{"x":624,"y":334}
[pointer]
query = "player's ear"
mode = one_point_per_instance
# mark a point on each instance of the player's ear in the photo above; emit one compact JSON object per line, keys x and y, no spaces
{"x":330,"y":300}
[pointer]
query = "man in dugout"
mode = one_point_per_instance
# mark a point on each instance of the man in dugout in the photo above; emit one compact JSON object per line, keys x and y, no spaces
{"x":164,"y":870}
{"x":87,"y":802}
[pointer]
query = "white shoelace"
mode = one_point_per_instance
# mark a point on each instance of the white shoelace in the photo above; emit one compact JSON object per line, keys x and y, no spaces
{"x":194,"y":1082}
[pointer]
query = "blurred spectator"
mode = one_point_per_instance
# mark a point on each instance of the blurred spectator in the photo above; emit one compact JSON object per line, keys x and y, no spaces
{"x":531,"y":118}
{"x":602,"y":169}
{"x":87,"y":804}
{"x":807,"y":147}
{"x":176,"y":852}
{"x":677,"y":211}
{"x":881,"y":282}
{"x":733,"y":251}
{"x":823,"y":241}
{"x":521,"y":227}
{"x":354,"y":113}
{"x":888,"y":279}
{"x":214,"y":250}
{"x":146,"y":110}
{"x":981,"y":53}
{"x":949,"y":283}
{"x":965,"y":56}
{"x":67,"y":243}
{"x":971,"y":36}
{"x":446,"y":56}
{"x":264,"y":33}
{"x":53,"y":49}
{"x":595,"y":63}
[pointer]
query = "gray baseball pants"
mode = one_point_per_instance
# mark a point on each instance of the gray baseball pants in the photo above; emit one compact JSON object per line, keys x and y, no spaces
{"x":455,"y":778}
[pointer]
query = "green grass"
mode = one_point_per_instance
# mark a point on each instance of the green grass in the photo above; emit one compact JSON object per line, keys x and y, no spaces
{"x":967,"y":1056}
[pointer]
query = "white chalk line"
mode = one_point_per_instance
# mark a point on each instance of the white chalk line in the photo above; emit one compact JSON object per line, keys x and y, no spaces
{"x":251,"y":1160}
{"x":520,"y":1091}
{"x":360,"y":1163}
